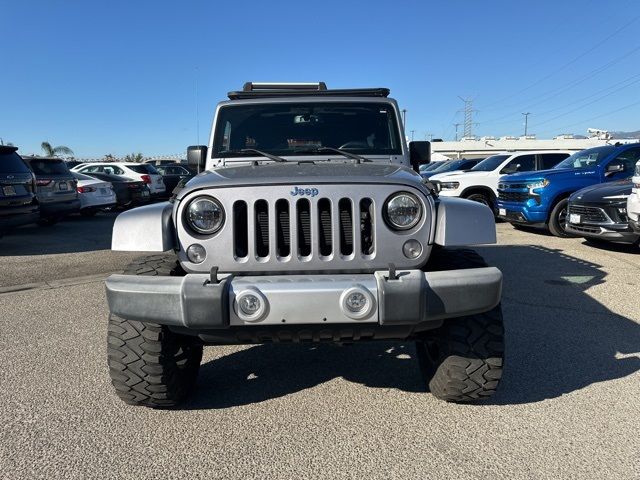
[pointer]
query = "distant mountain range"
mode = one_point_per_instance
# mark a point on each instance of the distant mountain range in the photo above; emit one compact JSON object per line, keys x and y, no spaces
{"x":635,"y":134}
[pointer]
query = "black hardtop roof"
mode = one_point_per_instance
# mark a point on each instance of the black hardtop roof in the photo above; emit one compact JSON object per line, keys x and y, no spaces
{"x":8,"y":148}
{"x":319,"y":89}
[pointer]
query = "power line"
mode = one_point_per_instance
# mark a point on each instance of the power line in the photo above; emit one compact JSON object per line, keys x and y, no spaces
{"x":598,"y":116}
{"x":571,"y":62}
{"x":556,"y":92}
{"x":588,"y":103}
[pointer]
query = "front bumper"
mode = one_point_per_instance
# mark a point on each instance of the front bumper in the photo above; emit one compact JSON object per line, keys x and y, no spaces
{"x":614,"y":232}
{"x":521,"y":214}
{"x":414,"y":298}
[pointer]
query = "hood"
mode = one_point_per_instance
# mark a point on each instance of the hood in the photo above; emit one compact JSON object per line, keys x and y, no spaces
{"x":467,"y":173}
{"x":597,"y":193}
{"x":552,"y":172}
{"x":303,"y":174}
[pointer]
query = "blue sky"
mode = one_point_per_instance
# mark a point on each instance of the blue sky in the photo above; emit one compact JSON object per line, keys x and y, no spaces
{"x":117,"y":77}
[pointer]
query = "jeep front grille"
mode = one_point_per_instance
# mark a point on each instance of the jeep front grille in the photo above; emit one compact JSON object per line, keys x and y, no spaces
{"x":311,"y":229}
{"x":269,"y":229}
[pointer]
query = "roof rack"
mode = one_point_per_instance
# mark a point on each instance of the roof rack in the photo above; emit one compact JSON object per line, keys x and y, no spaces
{"x":270,"y":90}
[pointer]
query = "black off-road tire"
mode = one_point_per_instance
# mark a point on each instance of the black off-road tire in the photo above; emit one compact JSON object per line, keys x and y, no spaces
{"x":149,"y":364}
{"x":462,"y":361}
{"x":556,"y":219}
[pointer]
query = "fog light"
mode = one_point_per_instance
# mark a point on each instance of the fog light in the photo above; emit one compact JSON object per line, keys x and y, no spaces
{"x":251,"y":305}
{"x":196,"y":253}
{"x":412,"y":249}
{"x":357,"y":302}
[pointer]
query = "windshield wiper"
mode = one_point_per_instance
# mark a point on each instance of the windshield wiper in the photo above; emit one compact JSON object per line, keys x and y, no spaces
{"x":353,"y":156}
{"x":259,"y":152}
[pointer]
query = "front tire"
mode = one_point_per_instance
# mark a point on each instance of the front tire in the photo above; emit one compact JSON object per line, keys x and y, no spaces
{"x":462,"y":361}
{"x":149,"y":364}
{"x":558,"y":219}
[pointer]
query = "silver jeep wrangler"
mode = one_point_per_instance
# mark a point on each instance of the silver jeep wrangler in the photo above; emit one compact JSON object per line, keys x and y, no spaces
{"x":308,"y":223}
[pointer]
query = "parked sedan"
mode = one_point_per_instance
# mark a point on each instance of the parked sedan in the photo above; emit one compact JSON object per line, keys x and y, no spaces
{"x":599,"y":212}
{"x":95,"y":195}
{"x":55,"y":188}
{"x":133,"y":171}
{"x":18,"y":203}
{"x":173,"y":174}
{"x":128,"y":192}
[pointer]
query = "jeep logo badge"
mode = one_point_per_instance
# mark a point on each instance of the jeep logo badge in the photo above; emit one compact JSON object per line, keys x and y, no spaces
{"x":304,"y":192}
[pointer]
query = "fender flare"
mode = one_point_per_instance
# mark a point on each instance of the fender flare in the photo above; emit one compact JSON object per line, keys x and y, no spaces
{"x":463,"y":222}
{"x":145,"y":229}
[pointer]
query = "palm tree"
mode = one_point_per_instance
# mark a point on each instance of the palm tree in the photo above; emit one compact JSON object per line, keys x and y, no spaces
{"x":51,"y":151}
{"x":134,"y":157}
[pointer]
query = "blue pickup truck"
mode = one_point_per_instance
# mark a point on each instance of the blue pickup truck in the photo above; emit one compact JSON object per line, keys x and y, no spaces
{"x":540,"y":198}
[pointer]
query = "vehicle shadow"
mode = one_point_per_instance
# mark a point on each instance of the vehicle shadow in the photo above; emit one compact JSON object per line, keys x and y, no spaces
{"x":613,"y":246}
{"x":72,"y":234}
{"x":558,"y":339}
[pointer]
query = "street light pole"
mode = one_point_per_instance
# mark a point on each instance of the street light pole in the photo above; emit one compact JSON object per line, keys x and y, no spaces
{"x":404,"y":117}
{"x":412,"y":132}
{"x":526,"y":122}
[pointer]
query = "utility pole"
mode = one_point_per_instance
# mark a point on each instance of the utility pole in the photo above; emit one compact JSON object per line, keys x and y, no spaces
{"x":428,"y":136}
{"x":526,"y":122}
{"x":404,"y":117}
{"x":457,"y":125}
{"x":412,"y":132}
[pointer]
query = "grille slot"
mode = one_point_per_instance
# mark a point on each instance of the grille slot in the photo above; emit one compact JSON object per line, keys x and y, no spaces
{"x":283,"y":229}
{"x":367,"y":216}
{"x":346,"y":226}
{"x":325,"y":240}
{"x":261,"y":209}
{"x":240,"y":231}
{"x":303,"y":210}
{"x":590,"y":214}
{"x":513,"y":196}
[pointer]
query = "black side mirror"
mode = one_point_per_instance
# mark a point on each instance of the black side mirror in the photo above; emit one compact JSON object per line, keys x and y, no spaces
{"x":419,"y":154}
{"x":197,"y":156}
{"x":615,"y":168}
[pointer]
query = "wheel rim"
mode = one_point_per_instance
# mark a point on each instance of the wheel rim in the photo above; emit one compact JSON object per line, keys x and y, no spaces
{"x":562,"y":219}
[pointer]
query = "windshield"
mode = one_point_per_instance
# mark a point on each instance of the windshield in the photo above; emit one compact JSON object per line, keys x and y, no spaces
{"x":432,"y":166}
{"x":490,"y":164}
{"x":143,"y":168}
{"x":452,"y":166}
{"x":292,"y":128}
{"x":10,"y":162}
{"x":48,"y":167}
{"x":586,"y":158}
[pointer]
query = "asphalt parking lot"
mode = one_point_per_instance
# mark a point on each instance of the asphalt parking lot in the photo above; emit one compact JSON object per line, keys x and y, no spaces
{"x":568,"y":406}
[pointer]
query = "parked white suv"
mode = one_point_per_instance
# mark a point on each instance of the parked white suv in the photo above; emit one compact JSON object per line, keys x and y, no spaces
{"x":481,"y":182}
{"x":633,"y":202}
{"x":134,"y":171}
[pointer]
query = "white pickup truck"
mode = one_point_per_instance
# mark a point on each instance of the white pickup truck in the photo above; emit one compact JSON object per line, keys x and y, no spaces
{"x":480,"y":184}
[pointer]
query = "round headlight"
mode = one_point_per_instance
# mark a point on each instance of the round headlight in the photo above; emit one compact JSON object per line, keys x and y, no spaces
{"x":403,"y":211}
{"x":205,"y":215}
